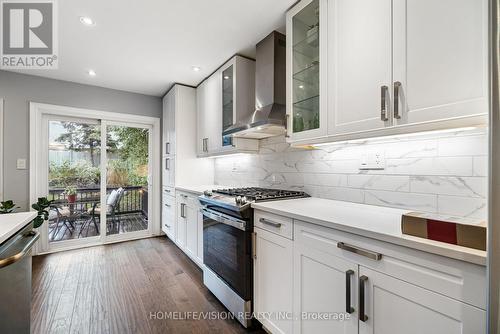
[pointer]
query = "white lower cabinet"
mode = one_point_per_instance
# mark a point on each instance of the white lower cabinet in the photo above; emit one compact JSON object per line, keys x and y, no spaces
{"x":339,"y":282}
{"x":169,"y":220}
{"x":393,"y":306}
{"x":272,"y":281}
{"x":323,"y":290}
{"x":189,"y":236}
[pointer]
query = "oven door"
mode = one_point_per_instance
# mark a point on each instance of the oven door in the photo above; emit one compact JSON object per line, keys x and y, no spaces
{"x":227,"y":250}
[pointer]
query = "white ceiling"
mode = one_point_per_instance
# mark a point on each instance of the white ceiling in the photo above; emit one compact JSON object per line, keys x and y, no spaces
{"x":145,"y":46}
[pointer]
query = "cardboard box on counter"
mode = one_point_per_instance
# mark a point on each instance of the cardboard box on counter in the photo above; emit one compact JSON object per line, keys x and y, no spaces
{"x":453,"y":230}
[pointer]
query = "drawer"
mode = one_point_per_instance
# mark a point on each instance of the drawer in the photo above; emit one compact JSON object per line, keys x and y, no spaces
{"x":274,"y":223}
{"x":168,"y":191}
{"x":456,"y":279}
{"x":189,"y":199}
{"x":168,"y":215}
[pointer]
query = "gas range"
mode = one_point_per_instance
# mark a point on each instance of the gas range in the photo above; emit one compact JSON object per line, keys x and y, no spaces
{"x":240,"y":199}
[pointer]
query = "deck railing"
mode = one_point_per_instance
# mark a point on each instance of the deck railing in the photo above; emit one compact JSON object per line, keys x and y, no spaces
{"x":134,"y":199}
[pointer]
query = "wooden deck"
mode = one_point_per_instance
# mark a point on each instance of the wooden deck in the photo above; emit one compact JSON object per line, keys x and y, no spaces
{"x":115,"y":289}
{"x":80,"y":229}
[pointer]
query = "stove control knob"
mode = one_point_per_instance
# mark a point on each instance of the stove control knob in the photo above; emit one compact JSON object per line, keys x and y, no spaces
{"x":238,"y":199}
{"x":243,"y":200}
{"x":207,"y":193}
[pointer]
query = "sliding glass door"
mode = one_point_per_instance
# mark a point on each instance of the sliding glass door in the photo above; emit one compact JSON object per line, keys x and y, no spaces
{"x":99,"y":195}
{"x":127,"y":185}
{"x":74,"y":183}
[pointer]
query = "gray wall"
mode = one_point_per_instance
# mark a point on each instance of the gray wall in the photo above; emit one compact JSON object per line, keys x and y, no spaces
{"x":19,"y":89}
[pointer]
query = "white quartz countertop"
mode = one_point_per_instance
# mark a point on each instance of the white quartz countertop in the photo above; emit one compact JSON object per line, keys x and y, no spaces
{"x":375,"y":222}
{"x":199,"y":189}
{"x":11,"y":223}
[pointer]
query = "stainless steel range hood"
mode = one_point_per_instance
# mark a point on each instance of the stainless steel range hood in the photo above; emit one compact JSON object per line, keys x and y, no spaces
{"x":269,"y":117}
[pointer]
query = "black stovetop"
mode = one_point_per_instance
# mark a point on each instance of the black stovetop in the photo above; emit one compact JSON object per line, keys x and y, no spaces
{"x":261,"y":194}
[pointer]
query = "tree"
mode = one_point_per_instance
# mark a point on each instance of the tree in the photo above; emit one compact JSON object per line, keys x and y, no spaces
{"x":81,"y":137}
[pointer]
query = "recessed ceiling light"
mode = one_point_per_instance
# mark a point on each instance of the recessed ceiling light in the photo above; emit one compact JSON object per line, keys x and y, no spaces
{"x":226,"y":77}
{"x":301,"y":86}
{"x":91,"y":73}
{"x":196,"y":68}
{"x":87,"y":21}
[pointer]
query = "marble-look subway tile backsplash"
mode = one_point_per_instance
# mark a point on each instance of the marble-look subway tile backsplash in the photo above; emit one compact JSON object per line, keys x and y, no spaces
{"x":440,"y":173}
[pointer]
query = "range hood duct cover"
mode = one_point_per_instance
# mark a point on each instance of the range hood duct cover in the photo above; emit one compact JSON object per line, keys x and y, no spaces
{"x":269,"y":117}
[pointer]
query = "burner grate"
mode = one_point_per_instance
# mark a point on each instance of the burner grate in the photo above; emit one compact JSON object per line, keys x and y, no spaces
{"x":261,"y":194}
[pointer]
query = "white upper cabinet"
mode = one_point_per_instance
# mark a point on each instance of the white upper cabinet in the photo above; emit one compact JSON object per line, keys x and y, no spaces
{"x":306,"y":70}
{"x":440,"y":59}
{"x":222,"y":99}
{"x":385,"y":67}
{"x":359,"y":65}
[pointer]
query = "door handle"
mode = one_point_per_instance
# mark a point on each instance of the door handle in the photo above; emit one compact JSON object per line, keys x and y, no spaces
{"x":30,"y":239}
{"x":360,"y":251}
{"x":362,"y":316}
{"x":269,"y":222}
{"x":383,"y":103}
{"x":397,"y":87}
{"x":348,"y":308}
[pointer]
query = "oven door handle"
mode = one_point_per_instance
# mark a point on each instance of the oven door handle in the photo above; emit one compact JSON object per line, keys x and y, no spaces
{"x":221,"y":218}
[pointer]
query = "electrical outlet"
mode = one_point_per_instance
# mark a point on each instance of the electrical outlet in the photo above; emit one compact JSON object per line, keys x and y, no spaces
{"x":372,"y":161}
{"x":21,"y":164}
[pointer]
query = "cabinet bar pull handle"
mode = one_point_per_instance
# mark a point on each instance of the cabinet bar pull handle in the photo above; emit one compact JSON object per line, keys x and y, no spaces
{"x":167,"y":148}
{"x":360,"y":251}
{"x":167,"y":163}
{"x":166,"y":225}
{"x":182,"y":210}
{"x":348,"y":308}
{"x":167,"y":205}
{"x":383,"y":103}
{"x":269,"y":222}
{"x":397,"y":86}
{"x":362,"y":316}
{"x":254,"y":245}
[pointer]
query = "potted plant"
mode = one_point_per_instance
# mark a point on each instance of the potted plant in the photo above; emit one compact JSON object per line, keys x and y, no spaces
{"x":41,"y":206}
{"x":70,"y":192}
{"x":7,"y":207}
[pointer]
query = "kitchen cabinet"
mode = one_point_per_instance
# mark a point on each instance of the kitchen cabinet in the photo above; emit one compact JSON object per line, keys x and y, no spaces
{"x":440,"y":59}
{"x":389,"y":67}
{"x":223,"y":98}
{"x":376,"y":286}
{"x":180,"y":165}
{"x":324,"y":285}
{"x":393,"y":306}
{"x":169,"y":221}
{"x":273,"y":269}
{"x":306,"y":69}
{"x":359,"y":65}
{"x":188,"y":226}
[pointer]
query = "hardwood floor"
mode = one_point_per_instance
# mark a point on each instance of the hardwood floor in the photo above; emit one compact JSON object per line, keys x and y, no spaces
{"x":116,"y":288}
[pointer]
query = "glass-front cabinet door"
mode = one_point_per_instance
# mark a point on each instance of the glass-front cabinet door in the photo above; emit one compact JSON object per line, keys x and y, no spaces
{"x":306,"y":70}
{"x":227,"y":103}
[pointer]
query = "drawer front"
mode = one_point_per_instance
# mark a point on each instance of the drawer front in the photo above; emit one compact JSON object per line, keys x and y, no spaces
{"x":170,"y":191}
{"x":274,"y":223}
{"x":168,"y":215}
{"x":459,"y":280}
{"x":189,"y":199}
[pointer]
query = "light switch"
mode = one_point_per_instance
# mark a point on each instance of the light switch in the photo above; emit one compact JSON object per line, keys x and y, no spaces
{"x":21,"y":164}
